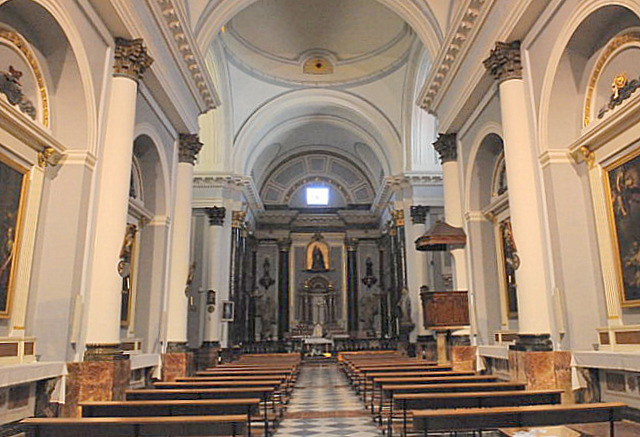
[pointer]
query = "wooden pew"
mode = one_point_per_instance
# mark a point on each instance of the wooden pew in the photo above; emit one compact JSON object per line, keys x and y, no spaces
{"x":136,"y":426}
{"x":433,"y":401}
{"x":210,"y":407}
{"x":479,"y":419}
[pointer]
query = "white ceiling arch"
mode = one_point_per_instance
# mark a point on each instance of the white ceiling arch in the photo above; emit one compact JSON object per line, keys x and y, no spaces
{"x":331,"y":107}
{"x":416,"y":13}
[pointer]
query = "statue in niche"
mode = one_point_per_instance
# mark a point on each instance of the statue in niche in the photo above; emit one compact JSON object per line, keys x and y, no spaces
{"x":318,"y":260}
{"x":318,"y":254}
{"x":266,"y":311}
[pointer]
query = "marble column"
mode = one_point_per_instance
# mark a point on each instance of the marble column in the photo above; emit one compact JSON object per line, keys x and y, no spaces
{"x":446,"y":146}
{"x":384,"y":306}
{"x":237,"y":225}
{"x":392,"y":287}
{"x":534,"y":306}
{"x":352,"y":286}
{"x":180,"y":269}
{"x":284,"y":246}
{"x":401,"y":251}
{"x":252,"y":292}
{"x":214,"y":309}
{"x":104,"y":299}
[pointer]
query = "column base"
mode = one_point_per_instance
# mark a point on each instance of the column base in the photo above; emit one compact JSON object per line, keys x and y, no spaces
{"x":463,"y":357}
{"x":542,"y":370}
{"x":207,"y":355}
{"x":177,"y":362}
{"x":95,"y":380}
{"x":532,"y":343}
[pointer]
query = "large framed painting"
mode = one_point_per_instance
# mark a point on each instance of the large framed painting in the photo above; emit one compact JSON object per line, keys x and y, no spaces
{"x":12,"y":188}
{"x":623,"y":187}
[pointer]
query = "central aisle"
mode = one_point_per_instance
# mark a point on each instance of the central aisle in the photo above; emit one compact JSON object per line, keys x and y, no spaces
{"x":323,"y":404}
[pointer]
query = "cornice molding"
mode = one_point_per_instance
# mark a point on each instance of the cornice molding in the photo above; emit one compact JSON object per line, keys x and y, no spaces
{"x":185,"y":49}
{"x":245,"y":184}
{"x":398,"y":182}
{"x":466,"y":24}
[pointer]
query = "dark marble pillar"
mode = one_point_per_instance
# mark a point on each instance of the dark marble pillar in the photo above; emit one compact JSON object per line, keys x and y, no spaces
{"x":401,"y":252}
{"x":237,"y":223}
{"x":392,"y":287}
{"x":284,"y":246}
{"x":253,"y":245}
{"x":384,"y":307}
{"x":352,"y":285}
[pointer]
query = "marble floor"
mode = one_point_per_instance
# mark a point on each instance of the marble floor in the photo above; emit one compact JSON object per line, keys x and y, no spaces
{"x":323,"y":404}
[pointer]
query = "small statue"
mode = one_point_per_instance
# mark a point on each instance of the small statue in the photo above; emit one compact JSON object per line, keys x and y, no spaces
{"x":318,"y":260}
{"x":124,"y":265}
{"x":403,"y":309}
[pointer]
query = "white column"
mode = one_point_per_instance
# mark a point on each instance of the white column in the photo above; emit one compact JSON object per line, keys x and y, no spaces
{"x":212,"y":318}
{"x":418,"y":227}
{"x":446,"y":145}
{"x":112,"y":191}
{"x":524,"y":200}
{"x":179,"y":273}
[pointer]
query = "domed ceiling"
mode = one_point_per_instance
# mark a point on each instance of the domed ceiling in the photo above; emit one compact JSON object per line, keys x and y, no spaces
{"x":317,"y":42}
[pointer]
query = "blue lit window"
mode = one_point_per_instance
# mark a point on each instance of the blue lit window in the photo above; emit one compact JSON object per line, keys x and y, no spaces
{"x":317,"y":196}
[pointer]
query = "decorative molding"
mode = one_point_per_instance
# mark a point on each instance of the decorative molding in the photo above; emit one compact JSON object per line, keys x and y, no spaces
{"x":216,"y":215}
{"x":613,"y":45}
{"x":24,"y":48}
{"x":554,"y":156}
{"x":351,"y":244}
{"x":131,"y":58}
{"x":449,"y":59}
{"x":189,"y":146}
{"x":77,"y":157}
{"x":588,"y":156}
{"x":185,"y":44}
{"x":475,"y":216}
{"x":284,"y":244}
{"x":243,"y":183}
{"x":397,"y":182}
{"x":447,"y":147}
{"x":398,"y":217}
{"x":504,"y":62}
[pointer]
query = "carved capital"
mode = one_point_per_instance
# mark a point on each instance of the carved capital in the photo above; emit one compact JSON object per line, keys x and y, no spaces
{"x":216,"y":215}
{"x":398,"y":217}
{"x":49,"y":157}
{"x":189,"y":147}
{"x":419,"y":214}
{"x":504,"y":61}
{"x":131,"y":58}
{"x":284,"y":244}
{"x":447,"y":148}
{"x":237,"y":219}
{"x":351,"y":244}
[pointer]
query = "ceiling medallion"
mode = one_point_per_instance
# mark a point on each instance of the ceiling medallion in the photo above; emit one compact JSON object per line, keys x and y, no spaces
{"x":317,"y":65}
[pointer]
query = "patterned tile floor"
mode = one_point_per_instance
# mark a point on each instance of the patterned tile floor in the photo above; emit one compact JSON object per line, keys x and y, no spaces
{"x":323,"y":404}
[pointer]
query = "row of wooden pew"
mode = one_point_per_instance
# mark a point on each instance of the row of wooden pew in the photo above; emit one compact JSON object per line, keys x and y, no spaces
{"x":416,"y":395}
{"x":234,"y":399}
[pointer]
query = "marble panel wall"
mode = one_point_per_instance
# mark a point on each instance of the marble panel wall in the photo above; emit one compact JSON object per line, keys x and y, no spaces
{"x":176,"y":365}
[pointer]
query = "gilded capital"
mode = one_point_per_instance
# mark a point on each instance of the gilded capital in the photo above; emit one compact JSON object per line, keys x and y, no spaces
{"x":131,"y":58}
{"x":216,"y":215}
{"x":284,"y":244}
{"x":352,"y":244}
{"x":237,"y":219}
{"x":504,"y":61}
{"x":447,"y":148}
{"x":398,"y":217}
{"x":49,"y":157}
{"x":189,"y":147}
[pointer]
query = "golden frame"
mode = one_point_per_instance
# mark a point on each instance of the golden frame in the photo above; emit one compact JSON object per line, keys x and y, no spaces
{"x":324,"y":248}
{"x":24,"y":189}
{"x":612,"y":224}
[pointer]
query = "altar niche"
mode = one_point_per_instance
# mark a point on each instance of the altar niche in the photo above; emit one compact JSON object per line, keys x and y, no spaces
{"x":318,"y":258}
{"x":318,"y":299}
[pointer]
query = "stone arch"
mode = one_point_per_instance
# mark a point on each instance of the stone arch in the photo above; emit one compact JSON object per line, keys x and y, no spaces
{"x":77,"y":124}
{"x":551,"y":100}
{"x":146,"y":136}
{"x":340,"y":108}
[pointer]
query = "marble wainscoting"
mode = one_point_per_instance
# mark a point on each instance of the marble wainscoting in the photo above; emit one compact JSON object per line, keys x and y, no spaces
{"x":95,"y":381}
{"x":206,"y":356}
{"x":543,"y":370}
{"x":463,"y":358}
{"x":176,"y":365}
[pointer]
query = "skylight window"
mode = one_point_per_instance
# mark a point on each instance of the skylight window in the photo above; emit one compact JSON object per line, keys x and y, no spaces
{"x":317,"y":196}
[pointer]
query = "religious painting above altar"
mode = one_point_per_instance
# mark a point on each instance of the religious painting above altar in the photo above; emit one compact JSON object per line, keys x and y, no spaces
{"x":11,"y":181}
{"x":623,"y":180}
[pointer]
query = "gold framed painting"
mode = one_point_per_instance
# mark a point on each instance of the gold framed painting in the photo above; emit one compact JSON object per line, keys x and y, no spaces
{"x":13,"y":184}
{"x":622,"y":180}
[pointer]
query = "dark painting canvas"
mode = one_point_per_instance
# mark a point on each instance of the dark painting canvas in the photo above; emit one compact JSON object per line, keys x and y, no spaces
{"x":624,"y":189}
{"x":10,"y":189}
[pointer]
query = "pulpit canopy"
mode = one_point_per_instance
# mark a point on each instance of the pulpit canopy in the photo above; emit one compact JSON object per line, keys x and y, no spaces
{"x":440,"y":237}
